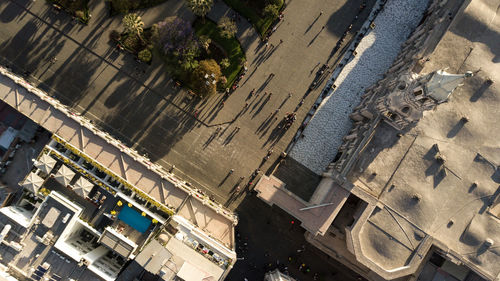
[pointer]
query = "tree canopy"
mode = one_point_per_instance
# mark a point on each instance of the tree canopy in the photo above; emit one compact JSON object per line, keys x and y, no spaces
{"x":200,"y":7}
{"x":205,"y":77}
{"x":133,"y":24}
{"x":227,"y":27}
{"x":176,"y":37}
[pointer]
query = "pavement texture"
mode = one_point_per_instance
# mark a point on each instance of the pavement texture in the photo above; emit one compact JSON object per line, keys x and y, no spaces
{"x":267,"y":239}
{"x":138,"y":104}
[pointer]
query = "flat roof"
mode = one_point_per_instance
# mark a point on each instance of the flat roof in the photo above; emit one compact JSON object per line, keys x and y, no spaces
{"x":18,"y":215}
{"x":447,"y":202}
{"x":153,"y":257}
{"x":182,"y":254}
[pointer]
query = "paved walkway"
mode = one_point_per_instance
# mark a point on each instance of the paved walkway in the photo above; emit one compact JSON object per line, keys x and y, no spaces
{"x":138,"y":105}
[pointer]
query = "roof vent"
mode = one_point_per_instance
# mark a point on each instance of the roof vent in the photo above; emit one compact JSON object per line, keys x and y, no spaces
{"x":435,"y":147}
{"x":440,"y":159}
{"x":416,"y":197}
{"x":488,"y":242}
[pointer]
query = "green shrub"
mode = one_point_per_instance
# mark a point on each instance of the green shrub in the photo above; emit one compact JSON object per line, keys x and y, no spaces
{"x":80,"y":14}
{"x":123,"y":6}
{"x":225,"y":63}
{"x":145,"y":55}
{"x":271,"y":11}
{"x":132,"y":43}
{"x":278,"y":3}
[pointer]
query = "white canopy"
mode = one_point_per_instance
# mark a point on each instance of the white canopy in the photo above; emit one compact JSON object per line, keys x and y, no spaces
{"x":45,"y":163}
{"x":33,"y":182}
{"x":82,"y":187}
{"x":64,"y":175}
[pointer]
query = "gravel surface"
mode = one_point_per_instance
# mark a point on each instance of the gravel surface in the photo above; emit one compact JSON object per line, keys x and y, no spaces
{"x":375,"y":54}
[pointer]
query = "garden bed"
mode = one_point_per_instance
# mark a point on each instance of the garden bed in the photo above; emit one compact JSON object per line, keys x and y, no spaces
{"x":135,"y":45}
{"x":229,"y":47}
{"x":77,"y":8}
{"x":253,"y":10}
{"x":125,"y":6}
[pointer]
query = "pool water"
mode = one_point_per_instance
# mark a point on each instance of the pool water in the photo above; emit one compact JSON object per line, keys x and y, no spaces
{"x":134,"y":219}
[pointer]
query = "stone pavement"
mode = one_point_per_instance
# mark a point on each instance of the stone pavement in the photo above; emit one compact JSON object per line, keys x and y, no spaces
{"x":138,"y":104}
{"x":266,"y":238}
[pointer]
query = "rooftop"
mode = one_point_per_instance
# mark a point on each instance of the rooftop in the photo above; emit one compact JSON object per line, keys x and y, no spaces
{"x":440,"y":180}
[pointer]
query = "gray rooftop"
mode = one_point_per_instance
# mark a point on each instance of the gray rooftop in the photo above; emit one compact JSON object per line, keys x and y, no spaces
{"x":451,"y":202}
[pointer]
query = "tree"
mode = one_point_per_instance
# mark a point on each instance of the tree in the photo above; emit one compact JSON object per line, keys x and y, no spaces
{"x":227,"y":27}
{"x":278,"y":3}
{"x":205,"y":77}
{"x":145,"y":55}
{"x":133,"y":24}
{"x":176,"y":37}
{"x":200,"y":7}
{"x":205,"y":42}
{"x":271,"y":11}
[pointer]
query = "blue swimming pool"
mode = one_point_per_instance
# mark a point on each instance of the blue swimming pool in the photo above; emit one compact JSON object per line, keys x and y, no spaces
{"x":134,"y":219}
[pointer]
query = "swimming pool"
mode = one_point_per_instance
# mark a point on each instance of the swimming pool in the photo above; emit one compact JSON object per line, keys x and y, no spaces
{"x":134,"y":219}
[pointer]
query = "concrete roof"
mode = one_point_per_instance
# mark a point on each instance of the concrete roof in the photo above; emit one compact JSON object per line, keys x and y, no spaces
{"x":153,"y":257}
{"x":418,"y":196}
{"x":181,"y":253}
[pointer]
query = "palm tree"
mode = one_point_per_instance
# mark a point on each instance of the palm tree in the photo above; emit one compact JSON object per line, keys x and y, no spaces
{"x":133,"y":24}
{"x":227,"y":27}
{"x":200,"y":7}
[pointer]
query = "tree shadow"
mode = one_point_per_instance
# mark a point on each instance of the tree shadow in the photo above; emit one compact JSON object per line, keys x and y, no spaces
{"x":13,"y":10}
{"x":70,"y":83}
